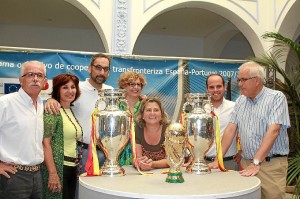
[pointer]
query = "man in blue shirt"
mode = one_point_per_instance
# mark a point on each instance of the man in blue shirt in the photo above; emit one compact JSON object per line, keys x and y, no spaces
{"x":261,"y":117}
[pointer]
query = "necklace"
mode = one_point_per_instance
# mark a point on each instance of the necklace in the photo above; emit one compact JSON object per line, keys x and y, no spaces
{"x":78,"y":156}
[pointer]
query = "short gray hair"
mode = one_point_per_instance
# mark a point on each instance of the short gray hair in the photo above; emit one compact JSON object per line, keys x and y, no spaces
{"x":32,"y":62}
{"x":255,"y":70}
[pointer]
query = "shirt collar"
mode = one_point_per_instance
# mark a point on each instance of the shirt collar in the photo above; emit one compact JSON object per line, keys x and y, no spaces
{"x":260,"y":94}
{"x":27,"y":98}
{"x":89,"y":85}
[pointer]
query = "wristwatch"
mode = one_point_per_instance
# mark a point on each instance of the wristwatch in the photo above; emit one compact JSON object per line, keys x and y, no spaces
{"x":256,"y":162}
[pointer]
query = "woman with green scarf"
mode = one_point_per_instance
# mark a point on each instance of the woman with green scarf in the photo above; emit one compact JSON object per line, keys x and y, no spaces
{"x":133,"y":83}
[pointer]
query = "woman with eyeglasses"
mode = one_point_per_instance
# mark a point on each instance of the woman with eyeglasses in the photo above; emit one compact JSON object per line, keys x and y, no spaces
{"x":61,"y":133}
{"x":151,"y":124}
{"x":133,"y":83}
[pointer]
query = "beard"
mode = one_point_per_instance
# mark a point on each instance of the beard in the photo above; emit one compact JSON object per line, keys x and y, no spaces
{"x":99,"y":79}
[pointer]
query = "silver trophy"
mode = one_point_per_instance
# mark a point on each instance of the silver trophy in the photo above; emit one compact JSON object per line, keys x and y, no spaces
{"x":112,"y":129}
{"x":175,"y":147}
{"x":199,"y":124}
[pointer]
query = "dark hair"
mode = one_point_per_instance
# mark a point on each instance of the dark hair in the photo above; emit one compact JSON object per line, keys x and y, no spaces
{"x":61,"y":80}
{"x":215,"y":75}
{"x":139,"y":119}
{"x":96,"y":56}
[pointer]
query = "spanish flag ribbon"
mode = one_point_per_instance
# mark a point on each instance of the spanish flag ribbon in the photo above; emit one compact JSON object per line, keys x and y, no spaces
{"x":238,"y":143}
{"x":92,"y":163}
{"x":218,"y":144}
{"x":239,"y":148}
{"x":133,"y":147}
{"x":182,"y":119}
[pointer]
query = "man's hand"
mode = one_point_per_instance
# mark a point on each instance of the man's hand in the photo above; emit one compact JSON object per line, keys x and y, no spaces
{"x":238,"y":157}
{"x":214,"y":164}
{"x":6,"y":168}
{"x":188,"y":161}
{"x":52,"y":106}
{"x":251,"y":170}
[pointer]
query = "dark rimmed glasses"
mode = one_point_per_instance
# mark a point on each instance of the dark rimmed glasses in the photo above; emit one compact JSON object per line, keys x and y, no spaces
{"x":244,"y":79}
{"x":99,"y":67}
{"x":132,"y":85}
{"x":32,"y":75}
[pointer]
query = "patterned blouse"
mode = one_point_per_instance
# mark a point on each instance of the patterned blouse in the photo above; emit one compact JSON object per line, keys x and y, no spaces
{"x":53,"y":126}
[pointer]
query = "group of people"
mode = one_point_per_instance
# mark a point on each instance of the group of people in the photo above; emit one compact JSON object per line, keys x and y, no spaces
{"x":51,"y":146}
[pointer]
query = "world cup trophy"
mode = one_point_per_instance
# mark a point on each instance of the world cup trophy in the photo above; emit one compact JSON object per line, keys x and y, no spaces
{"x":200,"y":131}
{"x":175,"y":147}
{"x":112,"y":129}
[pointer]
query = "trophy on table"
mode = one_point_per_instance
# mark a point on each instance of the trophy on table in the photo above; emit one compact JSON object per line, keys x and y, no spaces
{"x":200,"y":130}
{"x":112,"y":129}
{"x":175,"y":147}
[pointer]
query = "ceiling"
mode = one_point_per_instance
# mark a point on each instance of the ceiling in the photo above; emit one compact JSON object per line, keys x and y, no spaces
{"x":191,"y":22}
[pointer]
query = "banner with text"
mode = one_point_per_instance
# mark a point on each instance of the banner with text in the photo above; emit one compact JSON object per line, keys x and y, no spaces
{"x":162,"y":74}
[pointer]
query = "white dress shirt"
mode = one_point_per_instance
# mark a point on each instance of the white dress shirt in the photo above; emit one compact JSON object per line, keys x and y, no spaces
{"x":224,"y":113}
{"x":21,"y":129}
{"x":84,"y":107}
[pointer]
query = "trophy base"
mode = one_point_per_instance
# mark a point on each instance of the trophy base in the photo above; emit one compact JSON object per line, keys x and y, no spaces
{"x":174,"y":177}
{"x":201,"y":168}
{"x":112,"y":170}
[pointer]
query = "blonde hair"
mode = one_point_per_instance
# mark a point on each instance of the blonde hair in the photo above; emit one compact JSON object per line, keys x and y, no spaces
{"x":139,"y":118}
{"x":129,"y":77}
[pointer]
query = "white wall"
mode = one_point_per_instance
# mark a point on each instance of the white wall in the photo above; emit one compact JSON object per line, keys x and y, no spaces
{"x":163,"y":45}
{"x":50,"y":38}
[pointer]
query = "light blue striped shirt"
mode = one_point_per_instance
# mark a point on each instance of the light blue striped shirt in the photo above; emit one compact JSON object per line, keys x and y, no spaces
{"x":254,"y":117}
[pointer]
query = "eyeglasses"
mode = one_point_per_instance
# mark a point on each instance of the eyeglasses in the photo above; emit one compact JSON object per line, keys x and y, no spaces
{"x":99,"y":67}
{"x":135,"y":84}
{"x":244,"y":79}
{"x":32,"y":75}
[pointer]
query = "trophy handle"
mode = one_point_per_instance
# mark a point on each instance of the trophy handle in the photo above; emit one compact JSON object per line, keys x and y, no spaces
{"x":102,"y":101}
{"x":125,"y":103}
{"x":185,"y":104}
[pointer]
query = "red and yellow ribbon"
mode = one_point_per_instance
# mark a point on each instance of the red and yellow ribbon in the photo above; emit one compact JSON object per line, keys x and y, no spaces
{"x":92,"y":163}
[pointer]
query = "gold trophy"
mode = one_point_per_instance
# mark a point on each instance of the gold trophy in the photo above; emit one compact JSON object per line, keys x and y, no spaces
{"x":175,"y":147}
{"x":112,"y":129}
{"x":199,"y":129}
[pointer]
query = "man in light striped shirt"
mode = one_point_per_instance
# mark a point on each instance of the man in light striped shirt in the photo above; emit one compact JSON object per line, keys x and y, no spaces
{"x":261,"y":116}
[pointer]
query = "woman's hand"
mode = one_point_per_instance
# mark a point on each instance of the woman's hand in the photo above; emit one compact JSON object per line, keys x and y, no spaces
{"x":145,"y":163}
{"x":54,"y":183}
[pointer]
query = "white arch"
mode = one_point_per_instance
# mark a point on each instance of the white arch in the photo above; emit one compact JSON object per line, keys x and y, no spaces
{"x":288,"y":26}
{"x":91,"y":11}
{"x":216,"y":42}
{"x":244,"y":22}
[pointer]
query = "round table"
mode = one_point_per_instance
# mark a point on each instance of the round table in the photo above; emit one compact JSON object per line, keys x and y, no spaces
{"x":134,"y":185}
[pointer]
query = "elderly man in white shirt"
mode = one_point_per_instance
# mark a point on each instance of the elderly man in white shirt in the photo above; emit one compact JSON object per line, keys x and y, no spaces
{"x":21,"y":134}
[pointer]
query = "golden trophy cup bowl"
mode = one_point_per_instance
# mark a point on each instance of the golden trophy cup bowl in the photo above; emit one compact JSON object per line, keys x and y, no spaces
{"x":175,"y":147}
